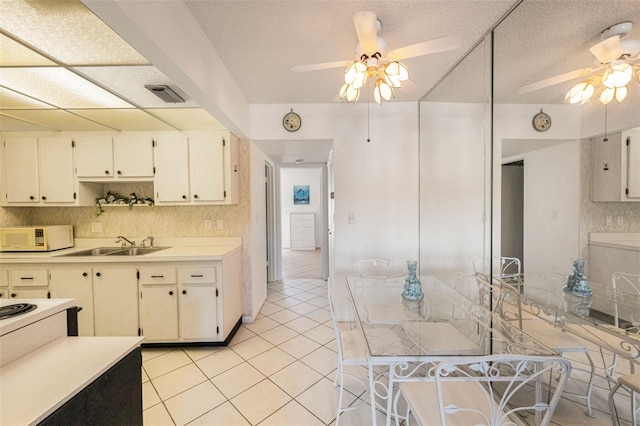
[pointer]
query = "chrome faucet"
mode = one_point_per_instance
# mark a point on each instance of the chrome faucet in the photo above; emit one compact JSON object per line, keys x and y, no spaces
{"x":150,"y":239}
{"x":124,"y":241}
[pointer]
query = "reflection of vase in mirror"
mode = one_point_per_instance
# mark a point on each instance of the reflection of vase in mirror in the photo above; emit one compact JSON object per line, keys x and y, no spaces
{"x":412,"y":287}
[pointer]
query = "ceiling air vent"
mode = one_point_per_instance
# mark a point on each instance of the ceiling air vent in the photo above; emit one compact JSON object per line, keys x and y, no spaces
{"x":165,"y":93}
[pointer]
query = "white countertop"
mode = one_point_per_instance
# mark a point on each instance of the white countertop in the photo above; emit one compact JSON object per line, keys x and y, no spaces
{"x":35,"y":385}
{"x":623,"y":240}
{"x":180,"y":249}
{"x":45,"y":307}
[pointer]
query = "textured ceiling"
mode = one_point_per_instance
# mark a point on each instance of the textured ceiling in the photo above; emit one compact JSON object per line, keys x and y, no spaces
{"x":260,"y":41}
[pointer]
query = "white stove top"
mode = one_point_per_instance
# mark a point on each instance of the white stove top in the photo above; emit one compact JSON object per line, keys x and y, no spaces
{"x":45,"y":308}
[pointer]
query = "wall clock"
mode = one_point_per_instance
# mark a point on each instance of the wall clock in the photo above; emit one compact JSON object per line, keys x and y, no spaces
{"x":541,"y":121}
{"x":291,"y":121}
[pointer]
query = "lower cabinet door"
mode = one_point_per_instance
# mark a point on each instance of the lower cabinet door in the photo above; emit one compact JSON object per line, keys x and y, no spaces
{"x":198,"y":311}
{"x":159,"y":312}
{"x":115,"y":296}
{"x":77,"y":284}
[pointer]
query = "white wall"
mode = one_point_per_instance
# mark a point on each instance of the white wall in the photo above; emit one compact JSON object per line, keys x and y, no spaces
{"x":376,"y":181}
{"x":452,"y":187}
{"x":552,"y":208}
{"x":300,"y":176}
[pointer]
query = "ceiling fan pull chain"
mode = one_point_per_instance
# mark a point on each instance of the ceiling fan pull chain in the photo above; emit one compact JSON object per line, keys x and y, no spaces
{"x":368,"y":119}
{"x":606,"y":139}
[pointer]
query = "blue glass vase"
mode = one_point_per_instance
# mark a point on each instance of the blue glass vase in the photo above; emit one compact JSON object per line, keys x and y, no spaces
{"x":412,"y":287}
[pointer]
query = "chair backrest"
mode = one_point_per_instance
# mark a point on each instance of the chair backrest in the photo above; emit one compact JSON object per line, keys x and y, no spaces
{"x":334,"y":320}
{"x":382,"y":268}
{"x":626,"y":297}
{"x":506,"y":268}
{"x":491,"y":390}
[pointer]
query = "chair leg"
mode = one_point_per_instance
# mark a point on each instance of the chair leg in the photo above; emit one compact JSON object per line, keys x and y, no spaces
{"x":340,"y":395}
{"x":612,"y":405}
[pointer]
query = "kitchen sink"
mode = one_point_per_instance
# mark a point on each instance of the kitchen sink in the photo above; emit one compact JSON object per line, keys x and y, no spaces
{"x":135,"y":251}
{"x":116,"y":251}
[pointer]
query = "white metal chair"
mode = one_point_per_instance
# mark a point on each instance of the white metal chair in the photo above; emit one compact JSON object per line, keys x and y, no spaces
{"x":626,"y":289}
{"x":545,"y":327}
{"x":486,"y":390}
{"x":352,"y":351}
{"x":632,"y":383}
{"x":506,"y":268}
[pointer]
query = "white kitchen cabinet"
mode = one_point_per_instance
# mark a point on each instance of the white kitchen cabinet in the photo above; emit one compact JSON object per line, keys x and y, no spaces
{"x":171,"y":182}
{"x":75,"y":283}
{"x":39,"y":172}
{"x":303,"y":231}
{"x":102,"y":157}
{"x":158,"y":304}
{"x":115,"y":296}
{"x":616,"y":167}
{"x":198,"y":303}
{"x":57,"y":181}
{"x":196,"y":168}
{"x":28,"y":283}
{"x":20,"y":156}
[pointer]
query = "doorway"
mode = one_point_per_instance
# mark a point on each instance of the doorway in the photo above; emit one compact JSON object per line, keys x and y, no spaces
{"x":302,"y":220}
{"x":512,"y":211}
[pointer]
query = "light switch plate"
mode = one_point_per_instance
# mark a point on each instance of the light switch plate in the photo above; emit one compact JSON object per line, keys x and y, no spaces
{"x":219,"y":224}
{"x":207,"y":225}
{"x":96,"y":227}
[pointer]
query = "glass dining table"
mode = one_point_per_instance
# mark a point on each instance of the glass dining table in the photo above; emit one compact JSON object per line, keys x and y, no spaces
{"x":445,"y":323}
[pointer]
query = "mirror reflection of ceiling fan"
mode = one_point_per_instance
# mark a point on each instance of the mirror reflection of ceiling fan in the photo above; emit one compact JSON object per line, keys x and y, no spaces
{"x":618,"y":62}
{"x":375,"y":64}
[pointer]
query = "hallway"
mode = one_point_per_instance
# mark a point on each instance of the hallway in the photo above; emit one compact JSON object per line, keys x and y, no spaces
{"x":301,"y":263}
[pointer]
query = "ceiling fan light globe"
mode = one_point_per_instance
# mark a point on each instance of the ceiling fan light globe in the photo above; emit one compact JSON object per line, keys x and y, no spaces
{"x":607,"y":95}
{"x":392,"y":81}
{"x":392,"y":68}
{"x":618,"y":75}
{"x":376,"y":95}
{"x":580,"y":93}
{"x":404,"y":72}
{"x":385,"y":90}
{"x":353,"y":70}
{"x":352,"y":94}
{"x":343,"y":90}
{"x":359,"y":81}
{"x":621,"y":93}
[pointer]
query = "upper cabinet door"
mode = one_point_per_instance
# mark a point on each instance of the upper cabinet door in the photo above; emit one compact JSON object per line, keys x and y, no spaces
{"x":171,"y":182}
{"x":94,"y":156}
{"x":632,"y":141}
{"x":57,"y":184}
{"x":133,"y":155}
{"x":21,"y":170}
{"x":206,"y":167}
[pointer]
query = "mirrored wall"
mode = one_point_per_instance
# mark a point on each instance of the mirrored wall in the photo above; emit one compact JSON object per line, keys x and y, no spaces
{"x":494,"y":185}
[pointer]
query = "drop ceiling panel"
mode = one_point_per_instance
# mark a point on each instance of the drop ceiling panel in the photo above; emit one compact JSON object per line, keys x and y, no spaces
{"x":55,"y":119}
{"x":59,"y":87}
{"x":188,"y":118}
{"x":13,"y":100}
{"x":13,"y":54}
{"x":129,"y":82}
{"x":67,"y":31}
{"x":11,"y":124}
{"x":124,"y":119}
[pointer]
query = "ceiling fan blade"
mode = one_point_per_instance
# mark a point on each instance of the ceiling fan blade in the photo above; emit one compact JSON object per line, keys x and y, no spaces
{"x":607,"y":50}
{"x":436,"y":45}
{"x":366,"y":24}
{"x":551,"y":81}
{"x":322,"y":66}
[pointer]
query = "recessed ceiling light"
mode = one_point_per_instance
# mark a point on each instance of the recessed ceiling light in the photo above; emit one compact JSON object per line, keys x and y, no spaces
{"x":165,"y":93}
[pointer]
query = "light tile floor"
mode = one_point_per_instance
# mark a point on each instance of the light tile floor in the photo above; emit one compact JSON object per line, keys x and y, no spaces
{"x":301,"y":263}
{"x":279,"y":371}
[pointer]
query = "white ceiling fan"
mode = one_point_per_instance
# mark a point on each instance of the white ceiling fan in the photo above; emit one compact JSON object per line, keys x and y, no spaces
{"x":373,"y":62}
{"x":617,"y":60}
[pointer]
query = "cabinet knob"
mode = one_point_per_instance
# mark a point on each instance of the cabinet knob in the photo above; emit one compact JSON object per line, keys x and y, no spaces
{"x":184,"y":291}
{"x":170,"y":293}
{"x":106,"y":172}
{"x":119,"y":172}
{"x":84,"y":274}
{"x":13,"y":295}
{"x":97,"y":274}
{"x":195,"y":196}
{"x":44,"y":198}
{"x":32,"y":197}
{"x":184,"y":197}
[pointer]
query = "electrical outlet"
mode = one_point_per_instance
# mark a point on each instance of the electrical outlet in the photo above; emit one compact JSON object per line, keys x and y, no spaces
{"x":219,"y":224}
{"x":96,"y":226}
{"x":620,"y":220}
{"x":608,"y":220}
{"x":207,"y":225}
{"x":351,"y":218}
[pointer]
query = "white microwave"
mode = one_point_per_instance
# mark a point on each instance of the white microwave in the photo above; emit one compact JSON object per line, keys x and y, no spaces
{"x":36,"y":238}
